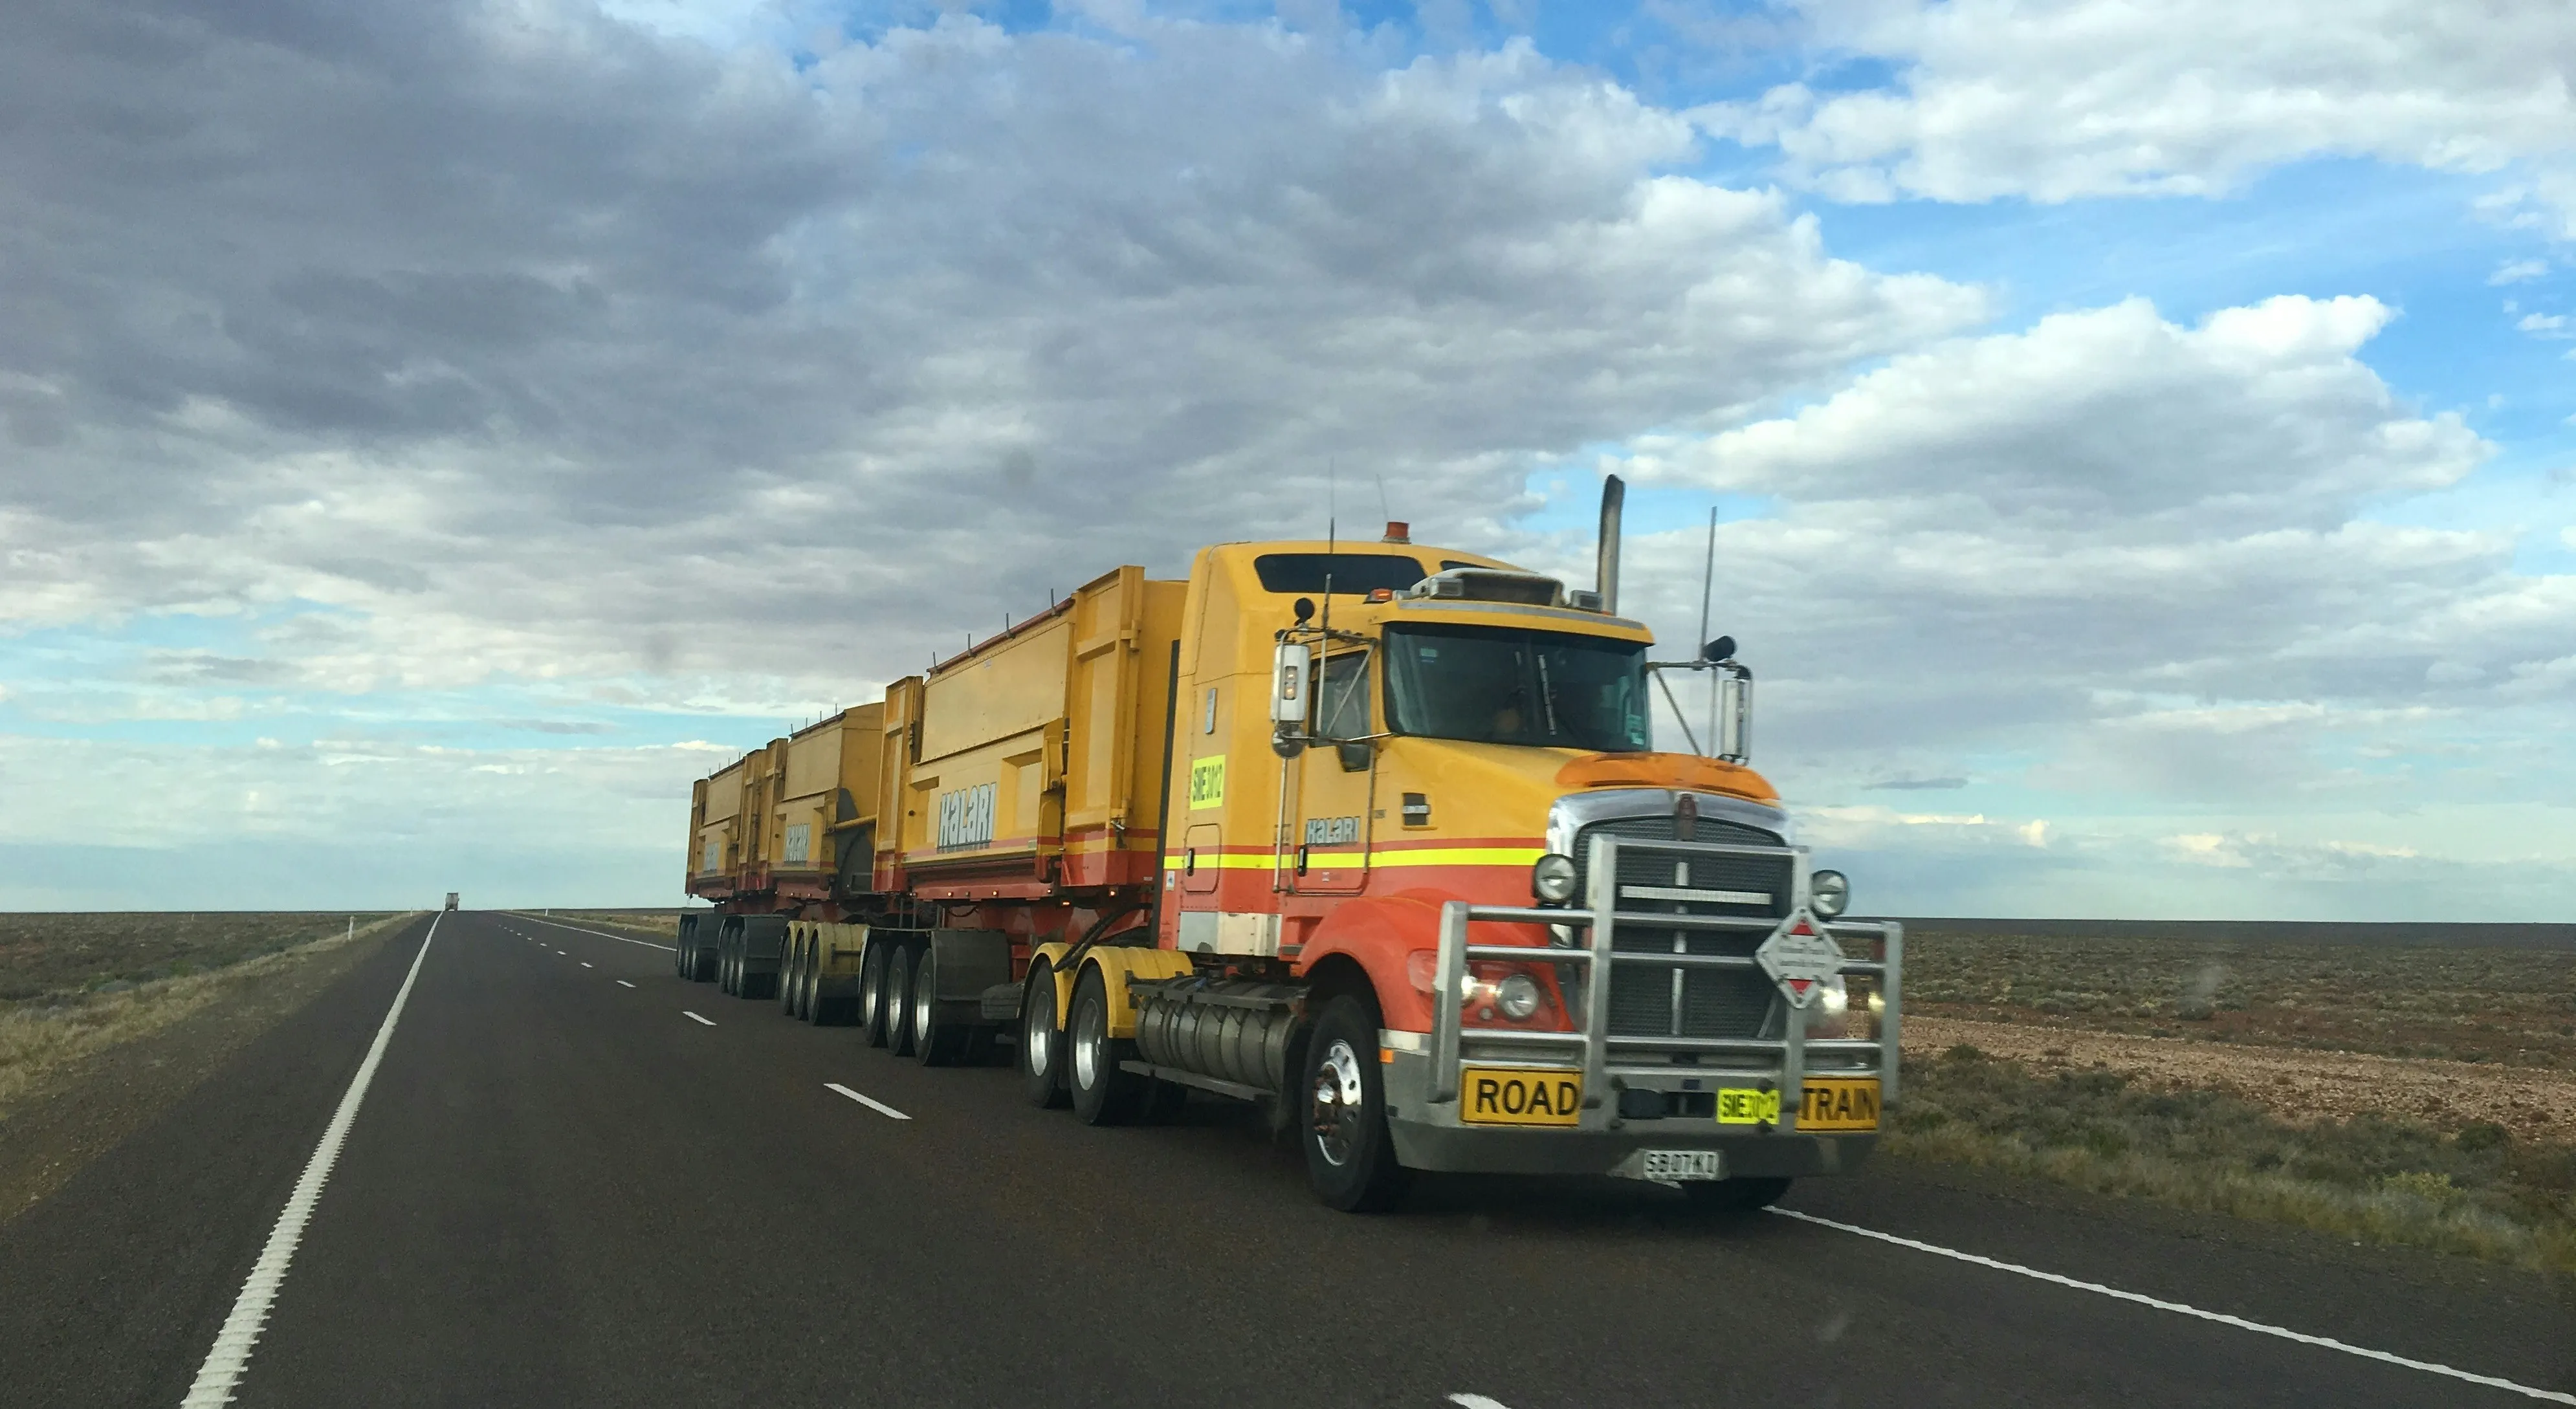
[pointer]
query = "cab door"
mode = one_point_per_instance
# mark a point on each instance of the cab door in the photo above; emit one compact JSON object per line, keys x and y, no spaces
{"x":1328,"y":851}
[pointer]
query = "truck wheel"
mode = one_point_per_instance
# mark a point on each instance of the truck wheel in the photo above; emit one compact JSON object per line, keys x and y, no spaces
{"x":1041,"y":1047}
{"x":872,"y":1008}
{"x":898,"y":1012}
{"x":725,"y":971}
{"x":702,"y":964}
{"x":1734,"y":1195}
{"x":1103,"y":1094}
{"x":789,"y":964}
{"x":1350,"y":1159}
{"x":937,"y":1040}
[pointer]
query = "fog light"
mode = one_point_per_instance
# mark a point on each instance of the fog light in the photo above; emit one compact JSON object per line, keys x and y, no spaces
{"x":1829,"y":892}
{"x":1552,"y":878}
{"x":1517,"y":996}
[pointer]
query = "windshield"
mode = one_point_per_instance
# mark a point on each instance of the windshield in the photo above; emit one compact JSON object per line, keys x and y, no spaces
{"x":1510,"y":685}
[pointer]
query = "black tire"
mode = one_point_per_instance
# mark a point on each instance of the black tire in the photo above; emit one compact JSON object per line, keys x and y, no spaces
{"x":789,"y":964}
{"x":1350,"y":1158}
{"x":680,"y":950}
{"x":898,"y":1010}
{"x":938,"y":1040}
{"x":727,"y":966}
{"x":872,"y":1009}
{"x":1741,"y":1195}
{"x":702,"y":964}
{"x":1041,"y":1046}
{"x":1104,"y":1093}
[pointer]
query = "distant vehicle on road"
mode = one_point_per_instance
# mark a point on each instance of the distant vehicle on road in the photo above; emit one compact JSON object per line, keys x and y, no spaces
{"x":451,"y":900}
{"x":1407,"y":868}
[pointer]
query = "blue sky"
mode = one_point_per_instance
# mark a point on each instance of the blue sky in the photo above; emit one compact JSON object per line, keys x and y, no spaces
{"x":2148,"y":464}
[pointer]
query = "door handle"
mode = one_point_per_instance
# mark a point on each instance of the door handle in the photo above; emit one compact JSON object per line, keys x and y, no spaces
{"x":1301,"y":858}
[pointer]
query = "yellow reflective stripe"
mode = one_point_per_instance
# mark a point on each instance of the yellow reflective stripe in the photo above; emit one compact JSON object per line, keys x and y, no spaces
{"x":1458,"y":856}
{"x":1415,"y":856}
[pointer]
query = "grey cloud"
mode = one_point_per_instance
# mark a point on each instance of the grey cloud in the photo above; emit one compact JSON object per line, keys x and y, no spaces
{"x":620,"y":354}
{"x":1916,"y":784}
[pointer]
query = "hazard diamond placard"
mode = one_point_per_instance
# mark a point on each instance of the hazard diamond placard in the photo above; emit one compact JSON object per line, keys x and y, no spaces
{"x":1799,"y":956}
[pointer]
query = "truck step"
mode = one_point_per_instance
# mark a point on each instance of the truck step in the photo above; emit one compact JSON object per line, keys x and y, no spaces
{"x":1178,"y":1077}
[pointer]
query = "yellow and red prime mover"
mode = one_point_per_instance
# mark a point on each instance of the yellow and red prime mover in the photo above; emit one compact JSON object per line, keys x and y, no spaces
{"x":1374,"y":834}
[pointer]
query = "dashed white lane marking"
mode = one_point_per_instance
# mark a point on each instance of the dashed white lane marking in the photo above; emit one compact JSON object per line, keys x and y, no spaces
{"x":1476,"y":1401}
{"x":564,"y":952}
{"x":708,"y":1021}
{"x":2222,"y":1318}
{"x":871,"y":1103}
{"x":585,"y":963}
{"x":624,"y":984}
{"x":230,"y":1354}
{"x":603,"y":934}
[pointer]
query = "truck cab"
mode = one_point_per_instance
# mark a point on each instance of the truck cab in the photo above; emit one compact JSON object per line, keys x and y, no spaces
{"x":1428,"y":780}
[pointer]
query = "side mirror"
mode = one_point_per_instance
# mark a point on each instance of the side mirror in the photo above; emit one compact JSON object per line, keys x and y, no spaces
{"x":1723,"y":648}
{"x":1289,"y":662}
{"x":1735,"y":715}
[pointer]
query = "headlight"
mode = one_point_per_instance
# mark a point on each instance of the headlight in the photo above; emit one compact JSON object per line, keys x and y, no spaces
{"x":1517,"y":996}
{"x":1552,"y":879}
{"x":1829,"y":892}
{"x":1831,"y":1005}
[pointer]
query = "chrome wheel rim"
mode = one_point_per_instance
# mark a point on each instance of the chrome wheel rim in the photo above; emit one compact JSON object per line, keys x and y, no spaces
{"x":1339,"y":1103}
{"x":1086,"y":1047}
{"x":925,"y":1004}
{"x":1037,"y":1033}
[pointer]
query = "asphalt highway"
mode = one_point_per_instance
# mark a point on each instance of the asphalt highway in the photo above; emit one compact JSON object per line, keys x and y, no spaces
{"x":561,"y":1188}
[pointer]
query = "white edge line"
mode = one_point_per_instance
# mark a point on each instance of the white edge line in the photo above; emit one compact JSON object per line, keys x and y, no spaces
{"x":624,"y":984}
{"x":879,"y":1107}
{"x":708,"y":1021}
{"x":229,"y":1356}
{"x":2179,"y":1309}
{"x":603,"y":934}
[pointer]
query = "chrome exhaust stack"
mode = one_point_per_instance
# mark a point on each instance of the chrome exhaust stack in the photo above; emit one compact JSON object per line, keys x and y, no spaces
{"x":1605,"y":572}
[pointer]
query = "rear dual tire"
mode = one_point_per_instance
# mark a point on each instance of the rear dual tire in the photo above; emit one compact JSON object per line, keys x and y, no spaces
{"x":1041,"y":1046}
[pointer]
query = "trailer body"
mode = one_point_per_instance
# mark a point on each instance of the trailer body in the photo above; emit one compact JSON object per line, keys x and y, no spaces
{"x":1373,"y":834}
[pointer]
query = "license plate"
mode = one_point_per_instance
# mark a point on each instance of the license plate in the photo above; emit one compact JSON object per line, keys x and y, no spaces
{"x":1839,"y":1103}
{"x":1520,"y":1096}
{"x":1677,"y":1165}
{"x":1741,"y":1105}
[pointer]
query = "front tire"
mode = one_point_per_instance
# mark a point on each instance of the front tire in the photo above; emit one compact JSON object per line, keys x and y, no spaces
{"x":1350,"y":1157}
{"x":1103,"y":1092}
{"x":1041,"y":1047}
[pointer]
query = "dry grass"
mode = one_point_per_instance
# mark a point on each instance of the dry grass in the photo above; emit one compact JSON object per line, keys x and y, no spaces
{"x":2456,"y":1003}
{"x":2478,"y":1192}
{"x":75,"y":985}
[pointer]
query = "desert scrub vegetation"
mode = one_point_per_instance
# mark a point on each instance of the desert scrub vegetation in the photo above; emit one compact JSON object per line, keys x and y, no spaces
{"x":2477,"y":1192}
{"x":665,"y":923}
{"x":71,"y":985}
{"x":2454,"y":1002}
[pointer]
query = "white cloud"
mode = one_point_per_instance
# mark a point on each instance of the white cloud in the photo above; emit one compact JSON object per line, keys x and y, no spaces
{"x":2543,"y":325}
{"x":662,"y":363}
{"x":2092,"y":97}
{"x":2515,"y":271}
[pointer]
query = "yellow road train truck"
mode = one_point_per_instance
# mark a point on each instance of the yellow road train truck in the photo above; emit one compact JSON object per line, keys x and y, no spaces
{"x":1376,"y":835}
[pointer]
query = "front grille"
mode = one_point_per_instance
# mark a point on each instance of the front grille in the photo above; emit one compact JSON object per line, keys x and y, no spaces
{"x":1727,"y":1003}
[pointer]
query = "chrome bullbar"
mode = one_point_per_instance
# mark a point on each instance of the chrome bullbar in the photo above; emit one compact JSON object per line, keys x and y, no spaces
{"x":1785,"y":1059}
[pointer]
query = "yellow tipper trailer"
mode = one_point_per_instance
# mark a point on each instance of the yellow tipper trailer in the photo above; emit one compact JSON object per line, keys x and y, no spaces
{"x":1374,"y":834}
